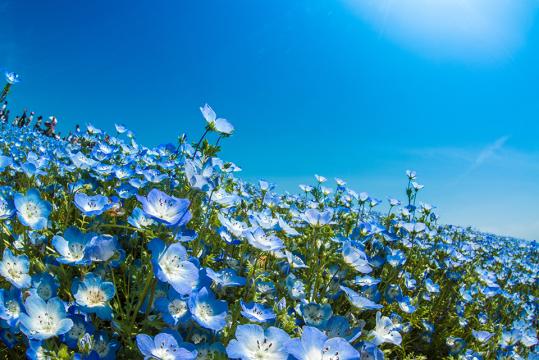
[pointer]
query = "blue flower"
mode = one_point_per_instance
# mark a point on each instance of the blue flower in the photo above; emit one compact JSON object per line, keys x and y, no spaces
{"x":15,"y":269}
{"x":7,"y":209}
{"x":80,"y":327}
{"x":10,"y":305}
{"x":356,"y":258}
{"x":44,"y":319}
{"x":207,"y":311}
{"x":314,"y":344}
{"x":173,"y":308}
{"x":218,"y":124}
{"x":225,"y":277}
{"x":385,"y":331}
{"x":339,"y":326}
{"x":315,"y":314}
{"x":45,"y":285}
{"x":166,"y":209}
{"x":482,"y":336}
{"x":252,"y":342}
{"x":139,"y":219}
{"x":72,"y":246}
{"x":93,"y":294}
{"x":262,"y":241}
{"x":170,"y":265}
{"x":164,"y":347}
{"x":104,"y":346}
{"x":318,"y":218}
{"x":359,"y":301}
{"x":11,"y":77}
{"x":92,"y":205}
{"x":256,"y":312}
{"x":32,"y":211}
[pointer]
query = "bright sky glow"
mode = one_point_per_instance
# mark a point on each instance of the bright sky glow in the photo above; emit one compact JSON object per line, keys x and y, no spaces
{"x":464,"y":29}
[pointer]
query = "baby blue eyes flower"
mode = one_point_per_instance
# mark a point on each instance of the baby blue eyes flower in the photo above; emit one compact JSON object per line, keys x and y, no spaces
{"x":262,"y":241}
{"x":164,"y":347}
{"x":252,"y":342}
{"x":207,"y":311}
{"x":170,"y":265}
{"x":7,"y":209}
{"x":315,"y":314}
{"x":15,"y":269}
{"x":45,"y":285}
{"x":359,"y":301}
{"x":44,"y":319}
{"x":72,"y":247}
{"x":318,"y":218}
{"x":11,"y":77}
{"x":385,"y":331}
{"x":482,"y":336}
{"x":92,"y":295}
{"x":256,"y":312}
{"x":173,"y":308}
{"x":92,"y":205}
{"x":32,"y":211}
{"x":431,"y":286}
{"x":218,"y":124}
{"x":225,"y":277}
{"x":315,"y":345}
{"x":10,"y":305}
{"x":166,"y":209}
{"x":356,"y":258}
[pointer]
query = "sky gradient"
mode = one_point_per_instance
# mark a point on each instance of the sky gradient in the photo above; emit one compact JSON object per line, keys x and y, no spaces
{"x":356,"y":89}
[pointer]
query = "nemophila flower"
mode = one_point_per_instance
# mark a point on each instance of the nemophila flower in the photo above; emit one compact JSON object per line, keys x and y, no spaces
{"x":481,"y":335}
{"x":72,"y":246}
{"x":316,"y":314}
{"x":395,"y":257}
{"x":315,"y":345}
{"x":80,"y":327}
{"x":92,"y":295}
{"x":295,"y":261}
{"x":44,"y":319}
{"x":15,"y":269}
{"x":256,"y":312}
{"x":339,"y":326}
{"x":139,"y":219}
{"x":92,"y":205}
{"x":170,"y":265}
{"x":405,"y":304}
{"x":385,"y":332}
{"x":12,"y":77}
{"x":10,"y":305}
{"x":103,"y":248}
{"x":356,"y":258}
{"x":218,"y":124}
{"x":318,"y":218}
{"x":235,"y":227}
{"x":359,"y":301}
{"x":207,"y":311}
{"x":164,"y":347}
{"x":32,"y":210}
{"x":225,"y":277}
{"x":366,"y":280}
{"x":173,"y":308}
{"x":104,"y":346}
{"x":262,"y":241}
{"x":45,"y":285}
{"x":295,"y":287}
{"x":166,"y":209}
{"x":208,"y":351}
{"x":253,"y":342}
{"x":7,"y":209}
{"x":431,"y":286}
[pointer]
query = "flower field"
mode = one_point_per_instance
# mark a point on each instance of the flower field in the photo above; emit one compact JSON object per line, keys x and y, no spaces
{"x":111,"y":249}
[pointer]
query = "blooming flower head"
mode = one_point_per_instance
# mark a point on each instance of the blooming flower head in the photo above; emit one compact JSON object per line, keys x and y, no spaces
{"x":356,"y":258}
{"x":72,"y":246}
{"x":92,"y":205}
{"x":15,"y":269}
{"x":225,"y":277}
{"x":218,"y":124}
{"x":171,"y":265}
{"x":207,"y":311}
{"x":166,"y":209}
{"x":32,"y":211}
{"x":385,"y":332}
{"x":256,"y":312}
{"x":315,"y":345}
{"x":7,"y":209}
{"x":252,"y":342}
{"x":173,"y":308}
{"x":164,"y":347}
{"x":11,"y":77}
{"x":10,"y":305}
{"x":262,"y":241}
{"x":316,"y":315}
{"x":45,"y":285}
{"x":44,"y":319}
{"x":318,"y":218}
{"x":93,"y":294}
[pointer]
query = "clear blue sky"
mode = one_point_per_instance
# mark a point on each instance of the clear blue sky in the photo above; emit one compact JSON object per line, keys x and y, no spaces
{"x":359,"y":89}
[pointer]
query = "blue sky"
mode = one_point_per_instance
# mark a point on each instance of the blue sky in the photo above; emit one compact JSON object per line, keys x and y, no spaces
{"x":358,"y":89}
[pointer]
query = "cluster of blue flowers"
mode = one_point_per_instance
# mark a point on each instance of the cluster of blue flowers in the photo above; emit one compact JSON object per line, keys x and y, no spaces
{"x":115,"y":250}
